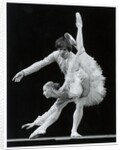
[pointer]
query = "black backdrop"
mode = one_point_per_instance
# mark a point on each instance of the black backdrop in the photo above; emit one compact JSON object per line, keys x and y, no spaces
{"x":31,"y":32}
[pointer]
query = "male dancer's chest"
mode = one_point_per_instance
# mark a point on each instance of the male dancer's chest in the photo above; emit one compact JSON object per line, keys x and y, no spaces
{"x":65,"y":64}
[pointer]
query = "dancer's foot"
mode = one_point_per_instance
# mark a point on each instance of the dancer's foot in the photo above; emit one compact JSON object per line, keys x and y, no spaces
{"x":78,"y":20}
{"x":75,"y":134}
{"x":70,"y":39}
{"x":34,"y":136}
{"x":39,"y":131}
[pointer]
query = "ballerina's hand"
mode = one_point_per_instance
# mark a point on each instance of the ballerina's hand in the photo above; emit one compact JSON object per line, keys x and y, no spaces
{"x":28,"y":125}
{"x":18,"y":77}
{"x":78,"y":20}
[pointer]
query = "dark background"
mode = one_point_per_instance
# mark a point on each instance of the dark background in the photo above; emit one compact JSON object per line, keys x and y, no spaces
{"x":31,"y":32}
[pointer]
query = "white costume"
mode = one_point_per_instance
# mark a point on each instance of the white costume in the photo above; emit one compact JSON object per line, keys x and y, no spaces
{"x":78,"y":75}
{"x":97,"y":80}
{"x":74,"y":79}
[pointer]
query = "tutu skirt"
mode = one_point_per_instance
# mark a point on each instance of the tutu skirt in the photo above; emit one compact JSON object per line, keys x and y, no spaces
{"x":97,"y":80}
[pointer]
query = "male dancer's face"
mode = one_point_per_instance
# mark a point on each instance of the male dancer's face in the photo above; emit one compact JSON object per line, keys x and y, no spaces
{"x":64,"y":53}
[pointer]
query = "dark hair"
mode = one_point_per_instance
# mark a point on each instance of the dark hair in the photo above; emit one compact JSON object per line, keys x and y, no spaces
{"x":62,"y":43}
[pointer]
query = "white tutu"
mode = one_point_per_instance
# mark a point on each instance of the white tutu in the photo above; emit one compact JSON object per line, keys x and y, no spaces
{"x":97,"y":80}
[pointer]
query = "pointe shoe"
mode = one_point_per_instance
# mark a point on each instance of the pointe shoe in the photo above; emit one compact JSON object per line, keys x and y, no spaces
{"x":78,"y":20}
{"x":37,"y":133}
{"x":70,"y":39}
{"x":34,"y":136}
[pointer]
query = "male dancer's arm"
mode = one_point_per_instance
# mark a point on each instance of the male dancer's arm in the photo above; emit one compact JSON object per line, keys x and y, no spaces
{"x":36,"y":66}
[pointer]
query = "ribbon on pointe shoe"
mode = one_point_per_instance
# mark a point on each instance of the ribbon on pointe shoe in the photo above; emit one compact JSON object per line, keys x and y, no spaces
{"x":70,"y":39}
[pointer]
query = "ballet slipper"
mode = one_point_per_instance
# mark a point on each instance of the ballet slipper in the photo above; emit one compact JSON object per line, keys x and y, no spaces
{"x":39,"y":131}
{"x":78,"y":20}
{"x":70,"y":39}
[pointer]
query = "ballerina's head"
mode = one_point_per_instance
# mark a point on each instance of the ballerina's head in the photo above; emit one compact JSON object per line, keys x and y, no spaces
{"x":50,"y":88}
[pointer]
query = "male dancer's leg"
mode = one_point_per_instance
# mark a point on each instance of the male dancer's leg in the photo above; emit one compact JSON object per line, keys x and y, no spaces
{"x":77,"y":117}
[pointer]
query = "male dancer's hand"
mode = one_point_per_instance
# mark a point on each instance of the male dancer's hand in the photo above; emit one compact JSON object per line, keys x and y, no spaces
{"x":18,"y":77}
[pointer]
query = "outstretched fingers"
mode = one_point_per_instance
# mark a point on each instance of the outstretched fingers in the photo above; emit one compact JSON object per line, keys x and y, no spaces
{"x":27,"y":126}
{"x":18,"y":76}
{"x":14,"y":78}
{"x":17,"y":80}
